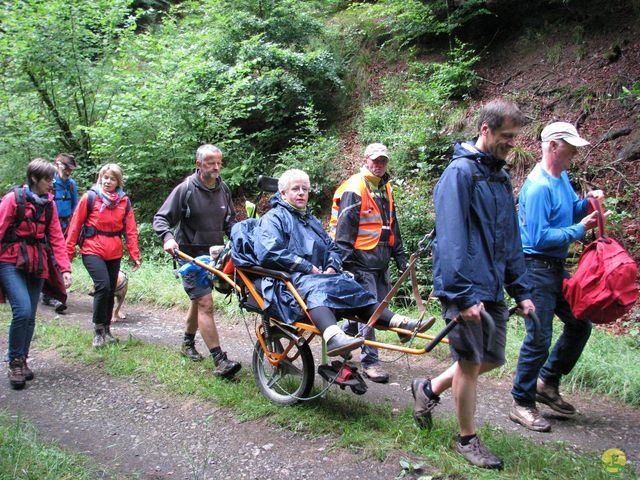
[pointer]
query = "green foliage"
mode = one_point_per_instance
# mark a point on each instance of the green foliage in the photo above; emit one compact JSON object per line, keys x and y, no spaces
{"x":403,"y":22}
{"x":247,"y":78}
{"x":57,"y":58}
{"x":416,"y":109}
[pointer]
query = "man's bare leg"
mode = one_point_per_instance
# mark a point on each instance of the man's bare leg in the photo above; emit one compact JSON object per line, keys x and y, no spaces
{"x":206,"y":323}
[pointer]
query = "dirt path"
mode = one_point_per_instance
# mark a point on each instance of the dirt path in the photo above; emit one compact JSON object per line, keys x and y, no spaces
{"x":141,"y":431}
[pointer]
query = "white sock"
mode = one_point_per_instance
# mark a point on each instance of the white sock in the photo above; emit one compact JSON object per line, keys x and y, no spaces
{"x":331,"y":332}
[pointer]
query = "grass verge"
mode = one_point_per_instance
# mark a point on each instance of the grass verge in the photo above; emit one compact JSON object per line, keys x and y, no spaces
{"x":368,"y":428}
{"x":23,"y":455}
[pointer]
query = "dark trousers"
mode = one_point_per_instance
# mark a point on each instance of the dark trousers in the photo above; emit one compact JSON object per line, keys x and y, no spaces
{"x":324,"y":317}
{"x":104,"y":274}
{"x":535,"y":360}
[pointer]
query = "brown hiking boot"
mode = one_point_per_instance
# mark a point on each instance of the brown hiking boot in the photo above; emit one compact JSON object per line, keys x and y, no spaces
{"x":529,"y":416}
{"x":423,"y":404}
{"x":550,"y":396}
{"x":225,"y":368}
{"x":16,"y":374}
{"x":477,"y":454}
{"x":28,"y":373}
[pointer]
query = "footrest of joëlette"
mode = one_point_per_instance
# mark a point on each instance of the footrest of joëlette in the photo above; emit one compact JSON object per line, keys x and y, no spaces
{"x":343,"y":375}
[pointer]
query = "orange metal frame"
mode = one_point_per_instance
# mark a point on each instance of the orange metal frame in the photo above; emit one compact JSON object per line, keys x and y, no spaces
{"x":301,"y":327}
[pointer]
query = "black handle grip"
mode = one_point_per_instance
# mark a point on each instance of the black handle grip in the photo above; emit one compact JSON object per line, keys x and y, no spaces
{"x":537,"y":328}
{"x":486,"y":318}
{"x":490,"y":325}
{"x":443,"y":333}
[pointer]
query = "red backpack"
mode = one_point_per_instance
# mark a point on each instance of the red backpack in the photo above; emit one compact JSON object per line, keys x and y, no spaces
{"x":604,"y":286}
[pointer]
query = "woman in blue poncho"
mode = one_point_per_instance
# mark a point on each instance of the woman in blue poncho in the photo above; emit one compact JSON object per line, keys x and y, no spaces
{"x":288,"y":238}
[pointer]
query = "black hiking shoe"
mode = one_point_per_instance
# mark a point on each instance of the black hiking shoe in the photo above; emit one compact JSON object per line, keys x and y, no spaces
{"x":225,"y":368}
{"x":59,"y":307}
{"x":423,"y":404}
{"x":414,"y":325}
{"x":188,"y":349}
{"x":109,"y":339}
{"x":16,"y":374}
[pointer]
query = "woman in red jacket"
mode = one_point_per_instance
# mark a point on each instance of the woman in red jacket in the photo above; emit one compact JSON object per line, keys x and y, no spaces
{"x":103,"y":216}
{"x":31,"y":251}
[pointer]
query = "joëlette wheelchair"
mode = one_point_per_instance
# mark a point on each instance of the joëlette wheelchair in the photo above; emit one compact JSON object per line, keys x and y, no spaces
{"x":283,"y":363}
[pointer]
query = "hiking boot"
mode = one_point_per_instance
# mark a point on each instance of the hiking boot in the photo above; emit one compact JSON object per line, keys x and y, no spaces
{"x":550,"y":396}
{"x":477,"y":454}
{"x":423,"y":404}
{"x":16,"y":374}
{"x":109,"y":339}
{"x":59,"y":307}
{"x":375,"y":374}
{"x":98,"y":338}
{"x":341,"y":343}
{"x":529,"y":416}
{"x":46,"y":300}
{"x":411,"y":324}
{"x":28,"y":373}
{"x":225,"y":368}
{"x":188,"y":349}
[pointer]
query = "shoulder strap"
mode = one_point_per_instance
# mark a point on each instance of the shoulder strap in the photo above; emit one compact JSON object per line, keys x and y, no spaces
{"x":48,"y":213}
{"x":91,"y":199}
{"x":21,"y":202}
{"x":186,"y":210}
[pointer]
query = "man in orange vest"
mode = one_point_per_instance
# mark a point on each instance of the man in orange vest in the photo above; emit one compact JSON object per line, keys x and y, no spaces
{"x":364,"y":226}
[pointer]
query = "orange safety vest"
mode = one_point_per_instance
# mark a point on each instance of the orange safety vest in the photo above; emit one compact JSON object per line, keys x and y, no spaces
{"x":371,"y":225}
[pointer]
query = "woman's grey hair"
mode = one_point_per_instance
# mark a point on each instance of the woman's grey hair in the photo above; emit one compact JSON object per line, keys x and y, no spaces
{"x":205,"y":149}
{"x":290,"y":175}
{"x":39,"y":169}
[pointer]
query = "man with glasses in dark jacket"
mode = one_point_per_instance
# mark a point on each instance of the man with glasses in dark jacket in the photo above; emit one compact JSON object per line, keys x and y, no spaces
{"x":476,"y":255}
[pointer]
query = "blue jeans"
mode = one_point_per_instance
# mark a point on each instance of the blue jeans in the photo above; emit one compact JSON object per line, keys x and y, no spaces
{"x":22,"y":292}
{"x":378,"y":283}
{"x":545,"y":278}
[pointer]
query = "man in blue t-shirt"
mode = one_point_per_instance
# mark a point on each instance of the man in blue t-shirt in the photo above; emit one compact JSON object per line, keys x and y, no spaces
{"x":65,"y":194}
{"x":551,"y":217}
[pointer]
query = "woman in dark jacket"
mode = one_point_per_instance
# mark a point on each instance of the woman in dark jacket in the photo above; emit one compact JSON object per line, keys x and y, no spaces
{"x":31,"y":251}
{"x":288,"y":238}
{"x":103,"y":216}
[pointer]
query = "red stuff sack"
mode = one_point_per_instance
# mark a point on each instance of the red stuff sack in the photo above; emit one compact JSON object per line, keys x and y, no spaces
{"x":604,"y":286}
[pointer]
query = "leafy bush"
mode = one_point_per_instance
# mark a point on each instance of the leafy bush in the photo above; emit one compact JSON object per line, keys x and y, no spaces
{"x":404,"y":22}
{"x":417,"y":107}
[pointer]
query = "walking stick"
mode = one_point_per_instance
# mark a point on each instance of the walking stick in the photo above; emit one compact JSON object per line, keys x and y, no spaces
{"x":423,"y":247}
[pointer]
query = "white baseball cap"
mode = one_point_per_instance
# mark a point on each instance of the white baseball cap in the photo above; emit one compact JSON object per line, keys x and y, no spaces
{"x":563,"y":131}
{"x":376,"y":150}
